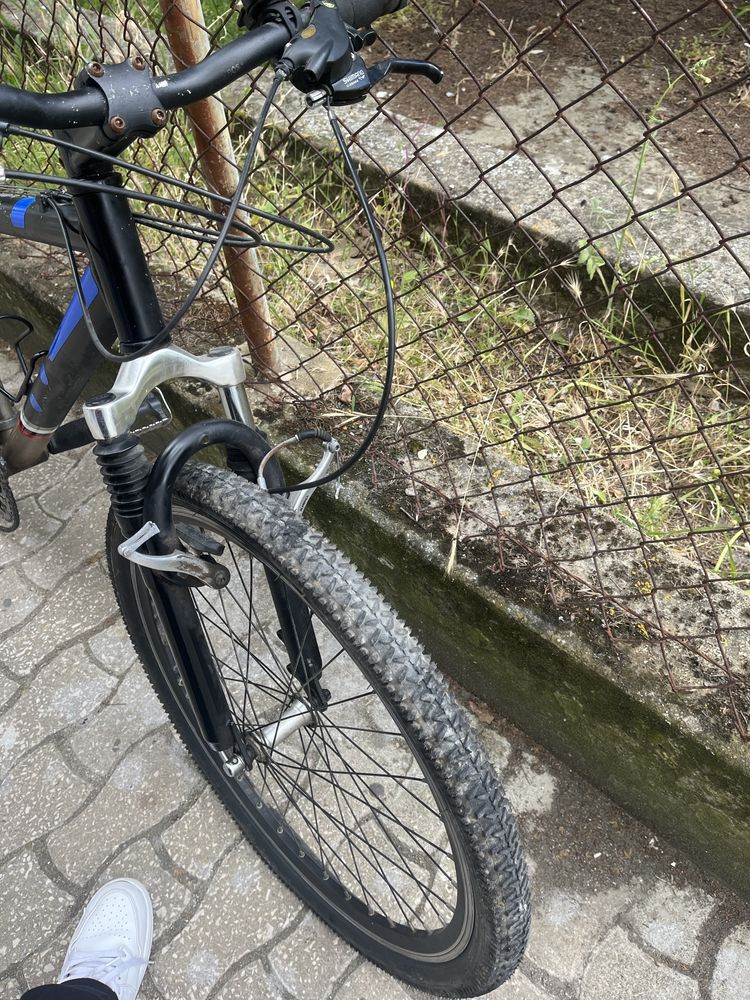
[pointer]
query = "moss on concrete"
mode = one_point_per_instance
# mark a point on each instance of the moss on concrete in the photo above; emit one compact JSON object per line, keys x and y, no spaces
{"x":699,"y":796}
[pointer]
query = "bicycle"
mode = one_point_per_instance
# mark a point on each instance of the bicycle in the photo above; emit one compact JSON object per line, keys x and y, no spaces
{"x":313,"y":712}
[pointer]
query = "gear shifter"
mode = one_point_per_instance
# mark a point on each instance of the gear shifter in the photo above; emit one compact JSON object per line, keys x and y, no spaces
{"x":323,"y":61}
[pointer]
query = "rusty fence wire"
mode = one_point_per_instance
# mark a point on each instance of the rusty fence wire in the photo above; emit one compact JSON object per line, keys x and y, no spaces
{"x":568,"y":216}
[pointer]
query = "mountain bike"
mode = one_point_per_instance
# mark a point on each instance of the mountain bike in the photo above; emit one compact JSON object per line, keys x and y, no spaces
{"x":311,"y":709}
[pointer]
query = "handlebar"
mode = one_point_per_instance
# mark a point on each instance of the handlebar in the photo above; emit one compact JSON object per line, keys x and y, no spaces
{"x":88,"y":105}
{"x":359,"y":13}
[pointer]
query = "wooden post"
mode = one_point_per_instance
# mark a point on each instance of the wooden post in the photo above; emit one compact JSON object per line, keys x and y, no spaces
{"x":188,"y":40}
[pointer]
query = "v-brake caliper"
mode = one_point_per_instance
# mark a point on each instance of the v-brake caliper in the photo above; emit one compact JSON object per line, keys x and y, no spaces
{"x":191,"y":560}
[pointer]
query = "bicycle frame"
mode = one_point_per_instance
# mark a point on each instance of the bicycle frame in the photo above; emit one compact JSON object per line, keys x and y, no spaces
{"x":121,"y":300}
{"x":122,"y":303}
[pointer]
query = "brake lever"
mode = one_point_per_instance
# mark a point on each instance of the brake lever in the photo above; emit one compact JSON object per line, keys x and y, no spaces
{"x":323,"y":61}
{"x":409,"y":67}
{"x":360,"y":80}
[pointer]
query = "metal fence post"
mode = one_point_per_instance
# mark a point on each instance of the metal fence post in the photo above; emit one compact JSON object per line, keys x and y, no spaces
{"x":189,"y":43}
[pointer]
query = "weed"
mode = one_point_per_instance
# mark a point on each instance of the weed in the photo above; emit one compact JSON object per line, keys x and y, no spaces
{"x":698,"y":54}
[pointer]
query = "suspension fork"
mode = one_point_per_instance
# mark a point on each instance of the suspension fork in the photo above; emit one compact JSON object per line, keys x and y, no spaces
{"x":127,"y":298}
{"x":126,"y":470}
{"x":142,"y":500}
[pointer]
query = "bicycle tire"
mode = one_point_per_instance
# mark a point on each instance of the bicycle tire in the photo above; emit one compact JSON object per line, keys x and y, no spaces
{"x":492,"y":895}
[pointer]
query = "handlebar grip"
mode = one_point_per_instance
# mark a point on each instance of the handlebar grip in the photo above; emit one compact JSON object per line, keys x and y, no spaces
{"x":359,"y":13}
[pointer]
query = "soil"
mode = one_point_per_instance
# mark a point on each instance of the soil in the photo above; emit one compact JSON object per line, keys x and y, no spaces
{"x":636,"y":48}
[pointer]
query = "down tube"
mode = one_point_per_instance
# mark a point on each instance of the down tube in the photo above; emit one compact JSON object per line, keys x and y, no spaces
{"x":62,"y":377}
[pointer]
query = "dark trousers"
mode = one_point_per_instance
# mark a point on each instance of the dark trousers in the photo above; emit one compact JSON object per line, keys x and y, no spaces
{"x":74,"y":989}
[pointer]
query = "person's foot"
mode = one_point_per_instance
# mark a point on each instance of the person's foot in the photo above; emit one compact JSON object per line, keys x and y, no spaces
{"x":112,"y":941}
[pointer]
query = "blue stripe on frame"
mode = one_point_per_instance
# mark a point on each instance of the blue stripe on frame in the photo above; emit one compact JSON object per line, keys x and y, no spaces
{"x":74,"y":312}
{"x":18,"y":212}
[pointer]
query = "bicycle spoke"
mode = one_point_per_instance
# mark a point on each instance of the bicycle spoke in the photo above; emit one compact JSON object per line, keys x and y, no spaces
{"x":388,"y":836}
{"x":235,"y":638}
{"x":353,"y":847}
{"x":329,"y":723}
{"x":382,"y":810}
{"x":325,"y":784}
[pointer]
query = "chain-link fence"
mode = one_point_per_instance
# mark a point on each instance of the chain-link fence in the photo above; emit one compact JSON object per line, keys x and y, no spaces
{"x":567,"y":217}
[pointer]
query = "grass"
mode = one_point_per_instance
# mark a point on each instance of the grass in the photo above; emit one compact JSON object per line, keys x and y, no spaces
{"x":718,"y":54}
{"x":698,"y":53}
{"x":555,"y":368}
{"x":587,"y":397}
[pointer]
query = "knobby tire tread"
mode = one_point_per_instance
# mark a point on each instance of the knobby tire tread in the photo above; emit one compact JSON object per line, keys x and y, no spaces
{"x":414,"y":686}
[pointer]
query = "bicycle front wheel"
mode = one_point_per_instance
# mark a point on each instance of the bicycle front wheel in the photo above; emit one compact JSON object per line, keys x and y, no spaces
{"x":380,"y":811}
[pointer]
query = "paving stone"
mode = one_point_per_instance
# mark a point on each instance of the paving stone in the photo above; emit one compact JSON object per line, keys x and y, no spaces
{"x":10,"y":989}
{"x":200,"y":838}
{"x":530,"y":788}
{"x":31,"y":908}
{"x":113,"y":649}
{"x":244,"y":908}
{"x":37,"y":528}
{"x":169,"y":897}
{"x":311,"y":959}
{"x":42,"y":477}
{"x":17,"y":601}
{"x":107,"y":735}
{"x":619,"y":968}
{"x":10,"y":376}
{"x":79,"y":542}
{"x":567,"y":925}
{"x":153,"y":780}
{"x":670,"y":920}
{"x":251,"y":982}
{"x":519,"y":988}
{"x":73,"y":489}
{"x":79,"y":605}
{"x":731,"y":978}
{"x":149,"y":992}
{"x":368,"y":982}
{"x":39,"y":794}
{"x":43,"y":965}
{"x":64,"y":692}
{"x":8,"y":688}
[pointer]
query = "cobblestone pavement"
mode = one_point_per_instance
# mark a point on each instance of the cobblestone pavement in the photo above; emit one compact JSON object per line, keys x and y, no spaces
{"x":93,"y":785}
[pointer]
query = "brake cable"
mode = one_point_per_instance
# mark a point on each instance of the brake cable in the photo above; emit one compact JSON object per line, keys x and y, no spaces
{"x":372,"y":224}
{"x":221,"y":239}
{"x":200,"y":281}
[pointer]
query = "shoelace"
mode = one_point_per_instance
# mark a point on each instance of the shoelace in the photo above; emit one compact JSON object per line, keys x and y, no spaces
{"x":104,"y":967}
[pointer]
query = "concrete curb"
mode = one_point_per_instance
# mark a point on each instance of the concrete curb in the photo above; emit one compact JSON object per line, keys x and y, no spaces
{"x":558,"y":201}
{"x":610,"y":717}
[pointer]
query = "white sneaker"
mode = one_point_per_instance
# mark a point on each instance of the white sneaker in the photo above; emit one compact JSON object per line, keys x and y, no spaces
{"x":112,"y":941}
